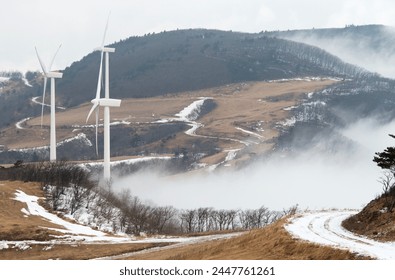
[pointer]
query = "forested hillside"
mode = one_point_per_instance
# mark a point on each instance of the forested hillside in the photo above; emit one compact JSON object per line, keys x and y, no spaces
{"x":184,"y":60}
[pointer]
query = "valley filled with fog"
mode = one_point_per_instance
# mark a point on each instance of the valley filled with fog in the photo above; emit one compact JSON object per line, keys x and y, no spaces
{"x":314,"y":178}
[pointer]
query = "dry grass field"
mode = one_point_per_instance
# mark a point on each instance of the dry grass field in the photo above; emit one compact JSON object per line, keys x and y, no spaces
{"x":269,"y":243}
{"x":14,"y":226}
{"x":272,"y":242}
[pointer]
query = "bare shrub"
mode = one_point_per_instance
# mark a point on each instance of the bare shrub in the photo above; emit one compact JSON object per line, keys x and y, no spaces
{"x":388,"y":184}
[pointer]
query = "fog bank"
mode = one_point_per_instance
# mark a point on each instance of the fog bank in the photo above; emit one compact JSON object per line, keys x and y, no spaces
{"x":375,"y":52}
{"x":313,"y":179}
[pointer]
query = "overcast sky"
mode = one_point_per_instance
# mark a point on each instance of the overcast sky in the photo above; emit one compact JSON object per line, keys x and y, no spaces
{"x":79,"y":24}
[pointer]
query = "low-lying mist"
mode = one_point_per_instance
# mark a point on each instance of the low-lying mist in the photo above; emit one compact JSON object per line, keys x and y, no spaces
{"x":374,"y":52}
{"x":313,"y":178}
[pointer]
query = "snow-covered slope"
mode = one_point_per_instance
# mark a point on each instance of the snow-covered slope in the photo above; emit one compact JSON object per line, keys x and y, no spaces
{"x":74,"y":232}
{"x":325,"y":228}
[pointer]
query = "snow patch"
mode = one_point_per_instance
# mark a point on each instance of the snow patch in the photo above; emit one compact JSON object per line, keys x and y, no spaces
{"x":191,"y":112}
{"x":3,"y":245}
{"x":77,"y":231}
{"x":22,"y":246}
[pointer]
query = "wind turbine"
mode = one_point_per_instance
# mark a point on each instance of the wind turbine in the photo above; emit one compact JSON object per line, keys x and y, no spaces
{"x":51,"y":75}
{"x":105,"y":102}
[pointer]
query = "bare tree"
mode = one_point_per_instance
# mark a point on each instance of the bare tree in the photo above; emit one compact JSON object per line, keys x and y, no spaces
{"x":160,"y":217}
{"x":188,"y":220}
{"x":388,"y":183}
{"x":138,"y":215}
{"x":203,"y":219}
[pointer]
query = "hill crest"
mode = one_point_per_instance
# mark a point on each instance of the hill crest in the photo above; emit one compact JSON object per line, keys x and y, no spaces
{"x":186,"y":60}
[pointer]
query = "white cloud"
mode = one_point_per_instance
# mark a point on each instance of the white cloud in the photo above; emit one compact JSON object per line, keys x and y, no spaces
{"x":79,"y":24}
{"x":363,"y":12}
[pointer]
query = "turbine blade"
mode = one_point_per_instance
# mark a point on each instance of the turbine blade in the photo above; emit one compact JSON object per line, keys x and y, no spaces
{"x":100,"y":77}
{"x":95,"y":105}
{"x":53,"y":58}
{"x":105,"y":30}
{"x":97,"y":124}
{"x":41,"y":62}
{"x":42,"y":101}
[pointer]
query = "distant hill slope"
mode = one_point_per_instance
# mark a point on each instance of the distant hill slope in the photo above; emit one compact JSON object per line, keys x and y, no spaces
{"x":369,"y":46}
{"x":194,"y":59}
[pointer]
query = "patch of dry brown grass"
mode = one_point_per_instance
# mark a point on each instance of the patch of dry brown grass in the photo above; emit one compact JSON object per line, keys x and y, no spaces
{"x":270,"y":243}
{"x":373,"y":221}
{"x":15,"y":225}
{"x":77,"y":251}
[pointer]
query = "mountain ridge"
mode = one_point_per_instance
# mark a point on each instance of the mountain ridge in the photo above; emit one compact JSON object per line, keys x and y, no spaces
{"x":183,"y":60}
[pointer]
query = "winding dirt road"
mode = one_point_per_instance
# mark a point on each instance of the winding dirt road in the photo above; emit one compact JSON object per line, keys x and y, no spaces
{"x":325,"y":228}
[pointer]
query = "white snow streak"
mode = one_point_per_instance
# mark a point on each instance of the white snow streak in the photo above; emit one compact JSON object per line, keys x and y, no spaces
{"x":18,"y":125}
{"x":26,"y":82}
{"x":81,"y":136}
{"x":100,"y":124}
{"x":251,"y":133}
{"x":128,"y":161}
{"x":34,"y":100}
{"x":325,"y":228}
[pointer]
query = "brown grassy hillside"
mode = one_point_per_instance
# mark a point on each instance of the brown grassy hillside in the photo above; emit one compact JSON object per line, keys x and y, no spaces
{"x":239,"y":107}
{"x":374,"y":221}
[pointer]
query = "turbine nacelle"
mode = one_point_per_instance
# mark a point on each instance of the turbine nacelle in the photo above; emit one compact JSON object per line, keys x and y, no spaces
{"x":103,"y":102}
{"x":105,"y":49}
{"x":109,"y":102}
{"x":56,"y":75}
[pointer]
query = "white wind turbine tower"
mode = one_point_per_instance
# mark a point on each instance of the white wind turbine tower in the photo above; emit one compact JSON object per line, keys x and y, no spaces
{"x":51,"y":75}
{"x":105,"y":102}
